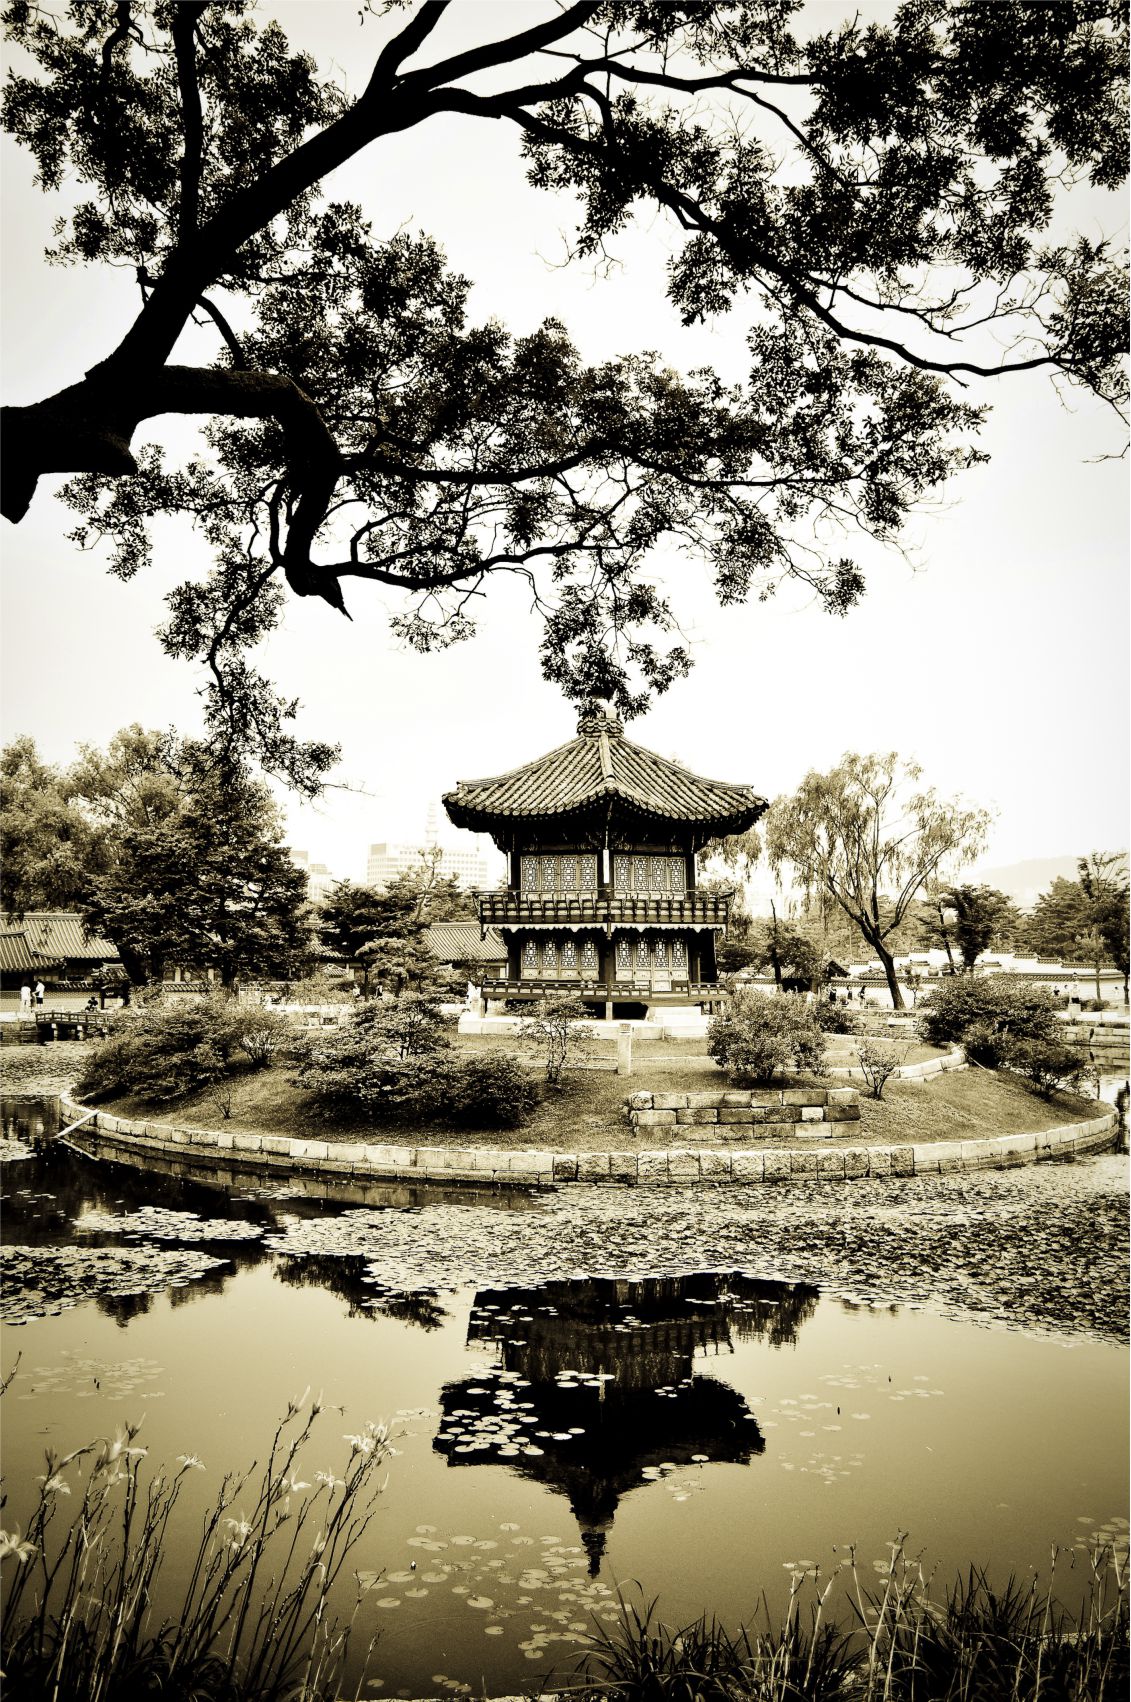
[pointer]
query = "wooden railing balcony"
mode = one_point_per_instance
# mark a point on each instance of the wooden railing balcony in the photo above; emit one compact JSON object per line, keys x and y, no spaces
{"x":520,"y":909}
{"x":622,"y":992}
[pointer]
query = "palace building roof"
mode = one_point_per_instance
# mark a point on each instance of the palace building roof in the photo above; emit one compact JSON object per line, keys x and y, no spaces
{"x":601,"y":770}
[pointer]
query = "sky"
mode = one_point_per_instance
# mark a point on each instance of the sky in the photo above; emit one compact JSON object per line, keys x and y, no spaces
{"x":993,"y":651}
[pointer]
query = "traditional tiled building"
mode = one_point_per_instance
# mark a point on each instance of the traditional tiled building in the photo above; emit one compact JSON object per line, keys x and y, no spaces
{"x":600,"y":838}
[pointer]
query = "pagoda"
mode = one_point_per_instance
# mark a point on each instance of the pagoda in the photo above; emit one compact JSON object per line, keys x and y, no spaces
{"x":600,"y":837}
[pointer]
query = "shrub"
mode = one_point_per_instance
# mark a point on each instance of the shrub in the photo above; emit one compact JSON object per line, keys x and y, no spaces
{"x":987,"y":1015}
{"x":479,"y":1092}
{"x":1047,"y":1065}
{"x":376,"y":1058}
{"x":835,"y":1019}
{"x":555,"y":1031}
{"x":879,"y":1063}
{"x":758,"y":1036}
{"x":163,"y":1051}
{"x":260,"y":1032}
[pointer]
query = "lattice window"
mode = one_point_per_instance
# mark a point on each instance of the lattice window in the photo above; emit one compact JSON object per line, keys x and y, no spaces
{"x":624,"y":956}
{"x":677,"y":872}
{"x":569,"y":955}
{"x":589,"y":957}
{"x":659,"y":874}
{"x":622,"y":866}
{"x":661,"y":958}
{"x":679,"y":954}
{"x":569,"y":874}
{"x":588,"y":866}
{"x":530,"y":874}
{"x":640,"y":874}
{"x":550,"y":958}
{"x":549,"y":874}
{"x":642,"y":954}
{"x":530,"y":958}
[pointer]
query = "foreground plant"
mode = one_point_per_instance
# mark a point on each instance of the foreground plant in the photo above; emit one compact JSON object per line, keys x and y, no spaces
{"x":979,"y":1644}
{"x":254,"y":1618}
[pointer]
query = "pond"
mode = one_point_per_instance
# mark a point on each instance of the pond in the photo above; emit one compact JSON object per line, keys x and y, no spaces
{"x":673,"y":1393}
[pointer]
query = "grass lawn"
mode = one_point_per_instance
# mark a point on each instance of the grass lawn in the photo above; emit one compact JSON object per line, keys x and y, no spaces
{"x":587,"y":1114}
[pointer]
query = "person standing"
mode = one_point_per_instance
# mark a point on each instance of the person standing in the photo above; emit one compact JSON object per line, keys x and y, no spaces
{"x":25,"y":998}
{"x":39,"y":992}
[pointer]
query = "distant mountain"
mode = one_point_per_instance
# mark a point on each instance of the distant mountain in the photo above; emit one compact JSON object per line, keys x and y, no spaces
{"x":1023,"y":882}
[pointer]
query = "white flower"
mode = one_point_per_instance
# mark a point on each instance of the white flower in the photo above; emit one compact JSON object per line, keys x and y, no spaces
{"x":187,"y":1461}
{"x":11,"y":1542}
{"x":241,"y":1530}
{"x":54,"y":1485}
{"x":329,"y":1480}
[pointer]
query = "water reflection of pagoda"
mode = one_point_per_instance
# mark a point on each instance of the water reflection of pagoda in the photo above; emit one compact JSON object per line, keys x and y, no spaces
{"x":594,"y":1392}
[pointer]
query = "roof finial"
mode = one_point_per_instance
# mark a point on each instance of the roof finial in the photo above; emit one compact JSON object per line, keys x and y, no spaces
{"x":598,"y":716}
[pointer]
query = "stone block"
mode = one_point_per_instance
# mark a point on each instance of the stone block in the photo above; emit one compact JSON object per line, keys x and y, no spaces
{"x":949,"y":1155}
{"x":748,"y":1166}
{"x":766,"y":1096}
{"x":977,"y":1155}
{"x":654,"y":1119}
{"x":715,"y":1166}
{"x":640,"y":1102}
{"x":926,"y":1159}
{"x":783,"y":1114}
{"x":703,"y":1101}
{"x":536,"y":1161}
{"x":1023,"y":1145}
{"x":842,"y":1096}
{"x":592,"y":1167}
{"x":697,"y":1114}
{"x":652,"y":1167}
{"x":814,"y":1131}
{"x":683,"y":1166}
{"x":247,"y":1143}
{"x":739,"y":1114}
{"x":812,"y":1113}
{"x":776,"y":1167}
{"x":224,"y":1142}
{"x":485,"y":1161}
{"x":830,"y":1165}
{"x":277,"y":1144}
{"x":564,"y":1167}
{"x":622,"y":1167}
{"x":879,"y":1161}
{"x":843,"y":1113}
{"x":669,"y":1101}
{"x":855,"y":1163}
{"x":802,"y":1163}
{"x":902,"y":1161}
{"x":805,"y":1096}
{"x":736,"y":1097}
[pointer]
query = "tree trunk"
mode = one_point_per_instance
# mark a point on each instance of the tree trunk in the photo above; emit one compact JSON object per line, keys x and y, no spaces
{"x":894,"y":988}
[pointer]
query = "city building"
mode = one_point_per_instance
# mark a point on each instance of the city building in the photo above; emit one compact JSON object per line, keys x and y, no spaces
{"x":319,"y":880}
{"x":386,"y":862}
{"x":600,"y":838}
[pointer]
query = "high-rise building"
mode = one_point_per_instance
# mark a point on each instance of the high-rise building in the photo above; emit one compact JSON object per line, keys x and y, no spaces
{"x":387,"y":861}
{"x":319,"y":880}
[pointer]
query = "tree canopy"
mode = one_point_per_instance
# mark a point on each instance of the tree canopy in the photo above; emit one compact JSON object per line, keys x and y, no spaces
{"x":878,"y":200}
{"x":871,"y":837}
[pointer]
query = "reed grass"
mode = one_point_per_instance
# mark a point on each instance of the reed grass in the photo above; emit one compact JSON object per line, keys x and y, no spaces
{"x":900,"y":1643}
{"x":254,"y":1620}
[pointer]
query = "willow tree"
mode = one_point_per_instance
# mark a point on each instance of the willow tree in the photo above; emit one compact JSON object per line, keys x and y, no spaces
{"x":875,"y":200}
{"x":869,"y":836}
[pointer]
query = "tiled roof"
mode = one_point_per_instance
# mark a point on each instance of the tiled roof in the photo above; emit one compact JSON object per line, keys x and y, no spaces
{"x":15,"y":955}
{"x":601,"y":765}
{"x":459,"y":942}
{"x":59,"y":934}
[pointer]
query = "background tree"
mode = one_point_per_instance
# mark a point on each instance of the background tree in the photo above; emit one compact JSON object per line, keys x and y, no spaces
{"x":877,"y":196}
{"x":973,"y":917}
{"x":866,"y":834}
{"x":50,"y":845}
{"x":350,"y":918}
{"x":788,"y":951}
{"x":1103,"y":881}
{"x":210,"y":885}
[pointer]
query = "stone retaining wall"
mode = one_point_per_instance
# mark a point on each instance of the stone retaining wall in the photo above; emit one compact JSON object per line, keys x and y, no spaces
{"x":1106,"y":1042}
{"x":736,"y":1110}
{"x":367,"y":1162}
